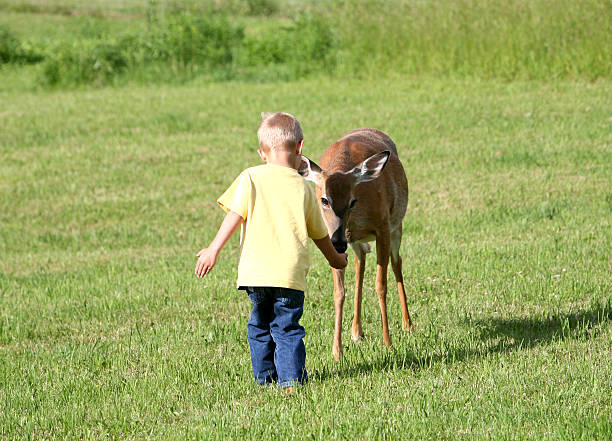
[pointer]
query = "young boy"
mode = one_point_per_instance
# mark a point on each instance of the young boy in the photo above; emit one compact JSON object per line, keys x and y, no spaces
{"x":278,"y":212}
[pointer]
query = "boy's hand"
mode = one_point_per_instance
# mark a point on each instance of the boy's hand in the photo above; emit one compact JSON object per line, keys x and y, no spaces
{"x":207,"y":258}
{"x":340,"y":261}
{"x":335,"y":259}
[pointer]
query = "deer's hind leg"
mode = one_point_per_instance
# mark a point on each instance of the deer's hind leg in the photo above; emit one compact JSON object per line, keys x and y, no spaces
{"x":360,"y":250}
{"x":396,"y":264}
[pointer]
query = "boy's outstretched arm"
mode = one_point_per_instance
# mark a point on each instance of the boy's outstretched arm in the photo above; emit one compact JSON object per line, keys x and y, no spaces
{"x":335,"y":259}
{"x":207,"y":257}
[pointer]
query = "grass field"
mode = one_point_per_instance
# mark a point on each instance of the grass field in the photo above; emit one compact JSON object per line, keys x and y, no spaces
{"x":106,"y":195}
{"x":502,"y":113}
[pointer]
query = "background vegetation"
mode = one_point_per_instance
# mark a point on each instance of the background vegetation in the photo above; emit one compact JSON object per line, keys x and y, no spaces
{"x":259,"y":39}
{"x":120,"y":123}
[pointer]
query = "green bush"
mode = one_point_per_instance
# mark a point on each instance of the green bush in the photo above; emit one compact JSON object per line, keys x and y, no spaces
{"x":186,"y":40}
{"x":9,"y":46}
{"x":302,"y":47}
{"x":183,"y":42}
{"x":313,"y":46}
{"x":262,"y":7}
{"x":14,"y":51}
{"x":188,"y":43}
{"x":81,"y":62}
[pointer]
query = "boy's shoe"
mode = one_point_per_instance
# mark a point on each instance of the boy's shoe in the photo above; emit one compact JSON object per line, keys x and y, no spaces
{"x":288,"y":390}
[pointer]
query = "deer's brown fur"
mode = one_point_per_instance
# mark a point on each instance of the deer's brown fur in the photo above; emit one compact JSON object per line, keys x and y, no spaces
{"x":379,"y":207}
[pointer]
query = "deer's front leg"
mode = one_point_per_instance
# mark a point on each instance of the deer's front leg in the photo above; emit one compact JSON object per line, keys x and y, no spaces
{"x":339,"y":294}
{"x":383,"y":248}
{"x":360,"y":261}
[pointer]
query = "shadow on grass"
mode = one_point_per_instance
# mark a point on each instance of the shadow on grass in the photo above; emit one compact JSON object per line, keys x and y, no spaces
{"x":492,"y":336}
{"x":533,"y":331}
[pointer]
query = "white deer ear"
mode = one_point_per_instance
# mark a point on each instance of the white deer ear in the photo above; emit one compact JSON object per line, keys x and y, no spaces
{"x":371,"y":168}
{"x":265,"y":115}
{"x":310,"y":170}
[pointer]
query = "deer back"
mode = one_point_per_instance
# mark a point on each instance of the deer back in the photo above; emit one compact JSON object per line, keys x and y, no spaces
{"x":379,"y":202}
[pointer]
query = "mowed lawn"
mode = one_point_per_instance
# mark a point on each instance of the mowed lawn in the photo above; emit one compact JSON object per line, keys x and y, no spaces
{"x":106,"y":195}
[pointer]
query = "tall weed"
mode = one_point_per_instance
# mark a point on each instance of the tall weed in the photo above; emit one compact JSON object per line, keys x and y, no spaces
{"x":506,"y":39}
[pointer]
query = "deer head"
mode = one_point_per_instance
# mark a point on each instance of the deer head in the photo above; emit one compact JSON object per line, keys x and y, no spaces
{"x":336,"y":192}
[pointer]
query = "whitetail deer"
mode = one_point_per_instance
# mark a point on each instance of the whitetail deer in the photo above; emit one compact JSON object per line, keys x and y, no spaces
{"x":363,"y":194}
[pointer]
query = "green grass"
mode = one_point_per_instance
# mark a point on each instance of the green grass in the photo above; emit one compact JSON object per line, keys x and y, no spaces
{"x":106,"y":195}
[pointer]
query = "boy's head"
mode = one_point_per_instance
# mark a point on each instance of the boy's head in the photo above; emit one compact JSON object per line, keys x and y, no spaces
{"x":280,"y":132}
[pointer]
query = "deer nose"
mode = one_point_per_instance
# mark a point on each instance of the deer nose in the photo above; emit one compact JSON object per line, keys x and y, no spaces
{"x":338,"y":239}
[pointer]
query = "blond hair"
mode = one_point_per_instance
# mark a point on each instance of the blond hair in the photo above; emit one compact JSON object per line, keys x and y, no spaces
{"x":279,"y":131}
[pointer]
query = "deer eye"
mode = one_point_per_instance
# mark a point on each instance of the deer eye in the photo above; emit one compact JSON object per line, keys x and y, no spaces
{"x":352,"y":203}
{"x":325,"y":202}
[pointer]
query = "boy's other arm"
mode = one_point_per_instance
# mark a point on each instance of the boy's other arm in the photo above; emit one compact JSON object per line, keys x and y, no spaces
{"x":335,"y":259}
{"x":207,"y":257}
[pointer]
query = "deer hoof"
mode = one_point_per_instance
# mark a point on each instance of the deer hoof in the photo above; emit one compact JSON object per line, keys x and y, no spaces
{"x":337,"y":353}
{"x":407,"y":326}
{"x":357,"y":335}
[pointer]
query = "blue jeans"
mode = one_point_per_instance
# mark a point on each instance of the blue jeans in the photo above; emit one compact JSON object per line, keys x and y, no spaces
{"x":275,"y":336}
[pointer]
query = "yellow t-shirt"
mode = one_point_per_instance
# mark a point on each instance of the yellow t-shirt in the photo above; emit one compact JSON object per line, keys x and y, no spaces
{"x":281,"y":212}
